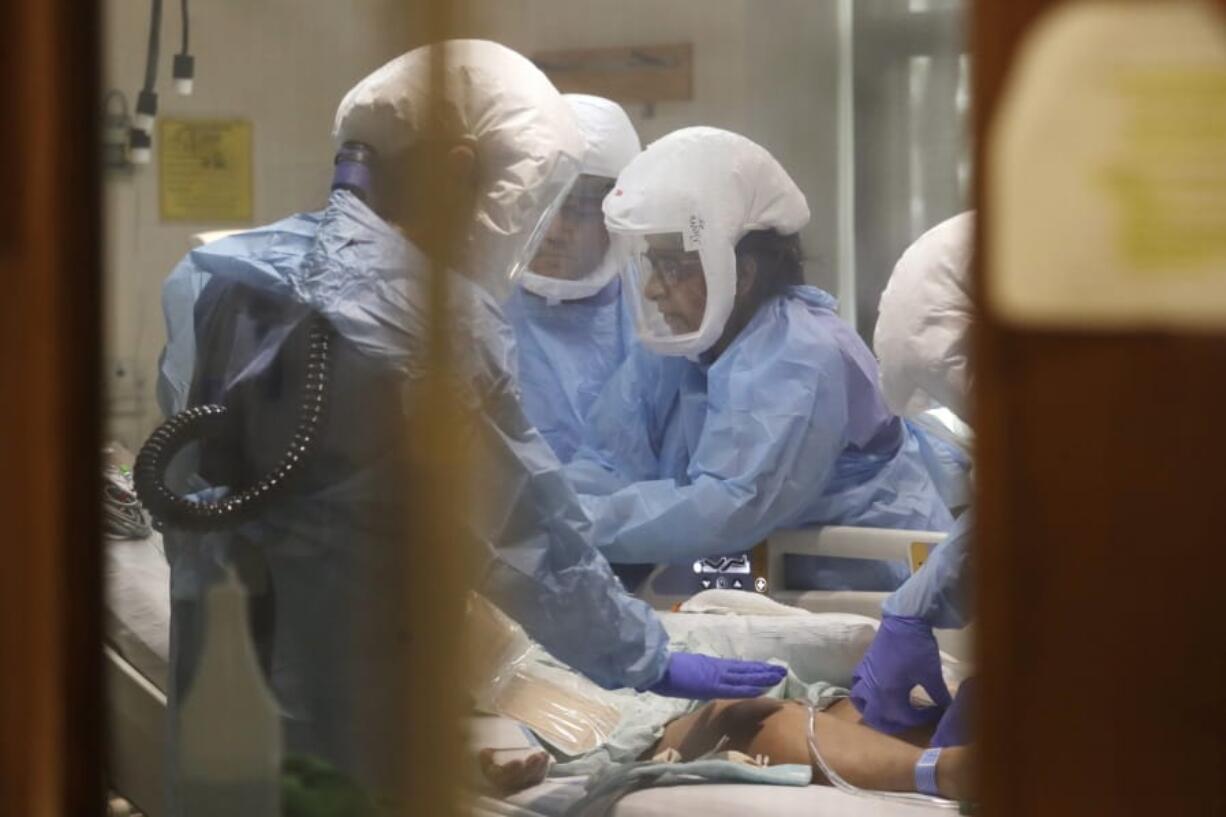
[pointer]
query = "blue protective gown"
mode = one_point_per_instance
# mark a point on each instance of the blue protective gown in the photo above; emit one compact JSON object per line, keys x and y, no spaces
{"x":177,"y":361}
{"x":309,"y":558}
{"x":948,"y":463}
{"x":937,"y":592}
{"x":787,"y":428}
{"x":566,"y":353}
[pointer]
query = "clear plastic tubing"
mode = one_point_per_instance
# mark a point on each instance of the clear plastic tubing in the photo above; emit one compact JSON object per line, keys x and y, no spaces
{"x":838,"y":782}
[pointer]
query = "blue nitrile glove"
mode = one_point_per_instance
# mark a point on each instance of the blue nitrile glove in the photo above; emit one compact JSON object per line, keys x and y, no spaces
{"x":903,"y":654}
{"x":690,"y":675}
{"x":955,"y":726}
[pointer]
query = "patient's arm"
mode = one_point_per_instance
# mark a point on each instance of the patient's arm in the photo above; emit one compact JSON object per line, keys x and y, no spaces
{"x":862,"y":756}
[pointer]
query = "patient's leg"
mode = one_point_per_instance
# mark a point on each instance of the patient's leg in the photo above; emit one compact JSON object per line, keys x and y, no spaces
{"x":862,"y":756}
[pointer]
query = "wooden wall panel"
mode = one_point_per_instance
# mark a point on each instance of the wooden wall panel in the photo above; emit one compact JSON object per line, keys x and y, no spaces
{"x":1100,"y":548}
{"x":49,"y":411}
{"x":631,"y":74}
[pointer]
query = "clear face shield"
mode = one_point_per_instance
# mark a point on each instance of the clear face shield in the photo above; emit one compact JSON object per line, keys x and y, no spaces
{"x":683,"y":296}
{"x":573,"y":257}
{"x":509,"y":228}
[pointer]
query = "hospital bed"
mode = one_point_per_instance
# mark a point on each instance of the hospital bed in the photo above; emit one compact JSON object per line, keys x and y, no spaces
{"x":136,"y":654}
{"x":909,"y":546}
{"x":136,"y":650}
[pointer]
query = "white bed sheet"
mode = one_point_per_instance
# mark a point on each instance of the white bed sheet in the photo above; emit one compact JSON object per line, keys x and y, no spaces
{"x":137,"y":631}
{"x":138,"y":604}
{"x":709,"y":800}
{"x":739,"y":800}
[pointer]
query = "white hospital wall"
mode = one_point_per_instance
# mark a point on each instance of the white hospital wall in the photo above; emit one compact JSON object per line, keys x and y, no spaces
{"x":283,"y":64}
{"x":764,"y":68}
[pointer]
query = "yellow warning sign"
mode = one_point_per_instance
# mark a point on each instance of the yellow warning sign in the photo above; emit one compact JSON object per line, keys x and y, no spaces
{"x":1108,"y":165}
{"x":204,"y":169}
{"x":918,"y":553}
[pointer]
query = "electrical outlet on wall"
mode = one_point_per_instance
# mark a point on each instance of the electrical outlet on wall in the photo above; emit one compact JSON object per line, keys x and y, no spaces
{"x":125,"y":386}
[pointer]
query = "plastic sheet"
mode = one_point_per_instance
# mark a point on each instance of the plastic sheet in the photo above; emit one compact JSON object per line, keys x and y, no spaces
{"x":562,"y":708}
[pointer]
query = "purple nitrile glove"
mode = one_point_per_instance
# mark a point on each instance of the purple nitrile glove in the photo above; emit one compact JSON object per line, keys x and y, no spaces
{"x":955,"y":726}
{"x":903,"y":654}
{"x":690,"y":675}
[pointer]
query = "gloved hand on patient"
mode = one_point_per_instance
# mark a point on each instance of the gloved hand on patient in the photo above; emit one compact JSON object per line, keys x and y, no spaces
{"x":955,"y":727}
{"x":903,"y":655}
{"x":690,"y":675}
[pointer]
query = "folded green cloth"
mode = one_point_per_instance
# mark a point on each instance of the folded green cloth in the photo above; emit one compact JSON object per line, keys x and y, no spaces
{"x":312,"y":788}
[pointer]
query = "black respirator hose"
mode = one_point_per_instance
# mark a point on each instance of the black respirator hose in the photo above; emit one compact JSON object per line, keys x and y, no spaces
{"x":199,"y":422}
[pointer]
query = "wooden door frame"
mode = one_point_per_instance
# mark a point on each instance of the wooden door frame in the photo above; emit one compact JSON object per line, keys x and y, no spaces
{"x":50,"y":265}
{"x":1101,"y":639}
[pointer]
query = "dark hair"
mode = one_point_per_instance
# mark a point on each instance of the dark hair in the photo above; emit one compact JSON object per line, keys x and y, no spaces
{"x":780,"y":262}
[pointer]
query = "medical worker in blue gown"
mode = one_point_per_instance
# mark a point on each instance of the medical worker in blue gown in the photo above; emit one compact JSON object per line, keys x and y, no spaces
{"x":311,"y":555}
{"x":572,"y":329}
{"x":750,"y":406}
{"x":922,"y":338}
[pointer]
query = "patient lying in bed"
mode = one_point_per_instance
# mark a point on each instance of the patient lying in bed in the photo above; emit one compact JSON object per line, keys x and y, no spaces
{"x":776,"y":732}
{"x":821,"y":651}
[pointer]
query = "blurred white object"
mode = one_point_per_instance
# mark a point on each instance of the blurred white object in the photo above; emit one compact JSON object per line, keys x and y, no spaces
{"x":922,"y":337}
{"x":230,"y":743}
{"x":525,"y":137}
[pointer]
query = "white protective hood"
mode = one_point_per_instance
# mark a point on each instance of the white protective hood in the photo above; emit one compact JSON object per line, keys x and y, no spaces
{"x":923,"y":329}
{"x":528,"y":146}
{"x":609,"y":135}
{"x":611,"y":142}
{"x":712,"y":186}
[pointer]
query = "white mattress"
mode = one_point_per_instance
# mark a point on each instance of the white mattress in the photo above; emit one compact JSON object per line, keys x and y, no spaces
{"x":138,"y":604}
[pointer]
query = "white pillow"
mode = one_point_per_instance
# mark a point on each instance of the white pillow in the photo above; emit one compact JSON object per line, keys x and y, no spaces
{"x":817,"y":646}
{"x":738,"y":602}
